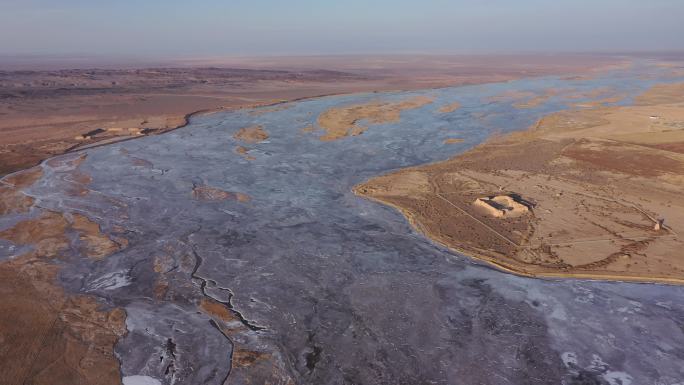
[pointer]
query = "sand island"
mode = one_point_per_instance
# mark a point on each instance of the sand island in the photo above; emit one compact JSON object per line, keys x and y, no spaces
{"x":339,"y":122}
{"x":592,"y":193}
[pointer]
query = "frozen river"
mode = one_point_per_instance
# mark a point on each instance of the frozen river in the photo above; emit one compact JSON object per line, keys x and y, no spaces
{"x":327,"y":288}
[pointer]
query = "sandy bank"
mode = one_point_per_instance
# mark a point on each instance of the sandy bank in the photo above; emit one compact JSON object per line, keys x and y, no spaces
{"x":49,"y":111}
{"x":50,"y":336}
{"x":339,"y":122}
{"x":598,"y":183}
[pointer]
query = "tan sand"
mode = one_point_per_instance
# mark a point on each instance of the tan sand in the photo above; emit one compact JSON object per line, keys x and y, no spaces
{"x":599,"y":102}
{"x":511,"y":95}
{"x":50,"y":111}
{"x":538,"y":100}
{"x":50,"y":337}
{"x":65,"y":339}
{"x":12,"y":200}
{"x":449,"y":108}
{"x":340,"y":122}
{"x":244,"y":151}
{"x":212,"y":194}
{"x":595,"y":183}
{"x":308,"y":129}
{"x":527,"y":99}
{"x":500,"y":206}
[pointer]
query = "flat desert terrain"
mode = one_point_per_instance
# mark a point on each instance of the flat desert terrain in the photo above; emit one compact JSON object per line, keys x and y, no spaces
{"x":60,"y":106}
{"x":592,"y":193}
{"x":239,"y":249}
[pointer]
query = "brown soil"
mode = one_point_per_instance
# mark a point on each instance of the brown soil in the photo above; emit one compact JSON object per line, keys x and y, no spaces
{"x":661,"y":94}
{"x":512,"y":95}
{"x":244,"y":151}
{"x":308,"y":129}
{"x":50,"y":337}
{"x":596,"y":183}
{"x":47,"y":110}
{"x":528,"y":99}
{"x":534,"y":102}
{"x":12,"y":200}
{"x":340,"y":122}
{"x":248,"y":366}
{"x":268,"y":110}
{"x":218,"y":310}
{"x":243,"y":358}
{"x":47,"y":233}
{"x":211,"y":194}
{"x":253,"y":134}
{"x":453,"y":140}
{"x":597,"y":103}
{"x":93,"y":243}
{"x":450,"y":108}
{"x":674,"y":147}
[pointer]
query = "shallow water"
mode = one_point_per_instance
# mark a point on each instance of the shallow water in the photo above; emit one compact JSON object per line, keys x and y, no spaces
{"x":340,"y":289}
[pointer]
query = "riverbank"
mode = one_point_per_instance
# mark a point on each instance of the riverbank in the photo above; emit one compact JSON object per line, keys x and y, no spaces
{"x":599,"y":186}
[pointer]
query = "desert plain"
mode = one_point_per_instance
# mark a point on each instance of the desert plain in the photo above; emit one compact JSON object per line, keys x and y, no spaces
{"x":589,"y":193}
{"x":49,"y":106}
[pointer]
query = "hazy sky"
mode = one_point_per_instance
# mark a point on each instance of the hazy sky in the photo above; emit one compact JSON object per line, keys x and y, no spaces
{"x":246,"y":27}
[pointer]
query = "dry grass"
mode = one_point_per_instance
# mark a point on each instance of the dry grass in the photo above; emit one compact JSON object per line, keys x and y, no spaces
{"x":598,"y":180}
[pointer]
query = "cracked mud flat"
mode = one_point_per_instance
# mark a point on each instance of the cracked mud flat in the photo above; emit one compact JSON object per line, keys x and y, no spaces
{"x":305,"y":283}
